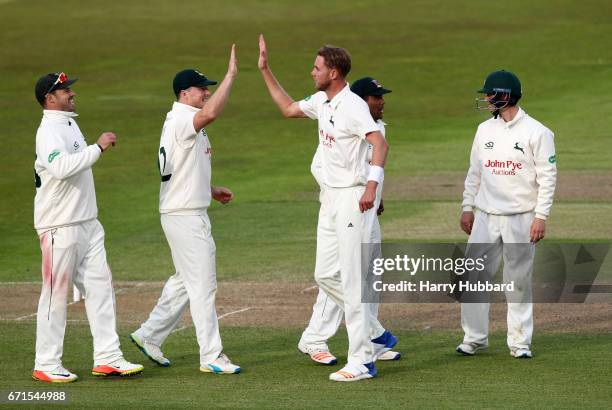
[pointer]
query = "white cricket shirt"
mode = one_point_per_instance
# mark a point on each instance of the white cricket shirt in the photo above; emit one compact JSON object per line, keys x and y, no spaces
{"x":65,"y":192}
{"x":513,"y":167}
{"x":184,"y":164}
{"x":316,"y":166}
{"x":344,"y":123}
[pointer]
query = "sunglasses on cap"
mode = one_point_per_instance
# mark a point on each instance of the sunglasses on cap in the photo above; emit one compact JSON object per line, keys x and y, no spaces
{"x":61,"y":79}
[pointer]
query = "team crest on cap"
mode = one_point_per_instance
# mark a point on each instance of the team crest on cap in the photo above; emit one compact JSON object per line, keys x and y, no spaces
{"x":199,"y":73}
{"x":377,"y":84}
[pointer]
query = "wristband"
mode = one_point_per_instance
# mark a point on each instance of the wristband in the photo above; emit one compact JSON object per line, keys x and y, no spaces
{"x":376,"y":174}
{"x":100,"y":146}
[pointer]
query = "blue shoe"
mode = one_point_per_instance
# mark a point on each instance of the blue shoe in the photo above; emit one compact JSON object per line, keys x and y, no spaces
{"x":386,"y":339}
{"x":371,"y":369}
{"x":383,"y":344}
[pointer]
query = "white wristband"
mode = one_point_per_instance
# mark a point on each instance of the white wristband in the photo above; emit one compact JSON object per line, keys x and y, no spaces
{"x":376,"y":173}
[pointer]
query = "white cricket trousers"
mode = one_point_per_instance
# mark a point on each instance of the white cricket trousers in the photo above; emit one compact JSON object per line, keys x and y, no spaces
{"x":194,"y":284}
{"x":338,"y":269}
{"x":326,"y":314}
{"x":518,"y":267}
{"x":75,"y":254}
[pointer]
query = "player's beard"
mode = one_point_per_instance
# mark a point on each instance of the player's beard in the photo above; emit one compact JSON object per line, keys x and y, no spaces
{"x":322,"y":86}
{"x":378,"y":114}
{"x":69,"y":105}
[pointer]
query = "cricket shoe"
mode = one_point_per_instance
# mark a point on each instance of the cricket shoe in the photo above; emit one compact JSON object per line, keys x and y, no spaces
{"x":383,"y":343}
{"x":119,"y":367}
{"x":150,"y":350}
{"x":352,"y":373}
{"x":390,"y":355}
{"x":521,"y":353}
{"x":318,"y":354}
{"x":59,"y":375}
{"x":469,"y":349}
{"x":220,"y":365}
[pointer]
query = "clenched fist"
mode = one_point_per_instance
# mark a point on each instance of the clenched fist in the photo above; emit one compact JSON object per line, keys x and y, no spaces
{"x":106,"y":140}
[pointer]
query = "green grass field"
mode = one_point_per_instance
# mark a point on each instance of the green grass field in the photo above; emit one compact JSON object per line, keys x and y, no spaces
{"x":432,"y":54}
{"x":276,"y":376}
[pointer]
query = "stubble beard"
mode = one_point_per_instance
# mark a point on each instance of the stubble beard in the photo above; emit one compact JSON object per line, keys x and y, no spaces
{"x":323,"y":86}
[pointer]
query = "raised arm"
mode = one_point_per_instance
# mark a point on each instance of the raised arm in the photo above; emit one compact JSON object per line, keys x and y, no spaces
{"x":287,"y":106}
{"x":214,"y":106}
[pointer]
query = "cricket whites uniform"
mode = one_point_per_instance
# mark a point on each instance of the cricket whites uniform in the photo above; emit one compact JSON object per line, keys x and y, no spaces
{"x":344,"y":123}
{"x":184,"y":197}
{"x":326,"y":314}
{"x":71,"y":241}
{"x":510,"y":181}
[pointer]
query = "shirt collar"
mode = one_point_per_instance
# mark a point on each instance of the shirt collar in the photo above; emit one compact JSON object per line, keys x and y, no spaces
{"x":177,"y":106}
{"x":338,"y":97}
{"x":519,"y":116}
{"x":59,"y":115}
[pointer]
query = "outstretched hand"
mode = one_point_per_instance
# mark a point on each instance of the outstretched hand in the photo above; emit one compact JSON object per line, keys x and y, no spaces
{"x":232,"y":69}
{"x":263,"y":54}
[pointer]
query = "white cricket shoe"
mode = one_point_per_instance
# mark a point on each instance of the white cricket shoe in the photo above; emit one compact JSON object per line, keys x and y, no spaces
{"x":119,"y":367}
{"x":390,"y":355}
{"x":469,"y":349}
{"x":58,"y":375}
{"x":521,"y":353}
{"x":318,"y":354}
{"x":149,"y":349}
{"x":352,"y":373}
{"x":221,"y":364}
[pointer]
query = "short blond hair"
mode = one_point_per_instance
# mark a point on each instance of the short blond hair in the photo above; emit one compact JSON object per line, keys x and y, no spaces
{"x":336,"y":57}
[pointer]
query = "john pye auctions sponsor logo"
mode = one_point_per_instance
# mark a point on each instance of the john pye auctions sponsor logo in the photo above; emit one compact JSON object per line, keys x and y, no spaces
{"x":508,"y":167}
{"x":327,"y":140}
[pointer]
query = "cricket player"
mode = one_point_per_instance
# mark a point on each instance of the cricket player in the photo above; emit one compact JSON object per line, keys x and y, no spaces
{"x":345,"y":129}
{"x":184,"y":197}
{"x":327,"y":315}
{"x":71,"y":237}
{"x":508,"y":194}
